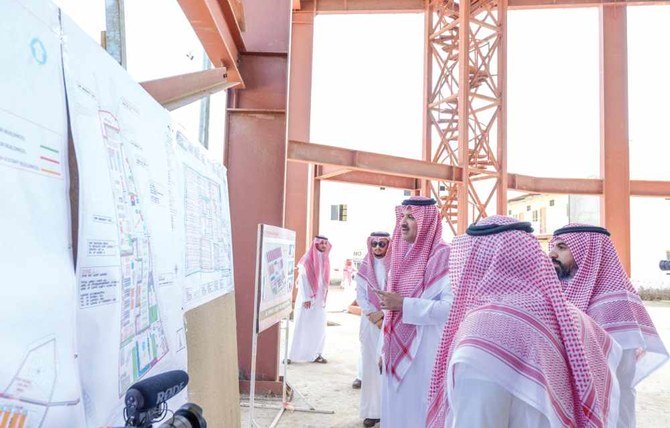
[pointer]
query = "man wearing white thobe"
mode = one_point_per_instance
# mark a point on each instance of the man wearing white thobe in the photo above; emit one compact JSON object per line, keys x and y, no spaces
{"x":309,"y":335}
{"x":416,"y":304}
{"x":594,"y":279}
{"x":371,"y":278}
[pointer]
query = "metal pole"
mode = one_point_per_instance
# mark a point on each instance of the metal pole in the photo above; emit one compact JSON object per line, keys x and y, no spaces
{"x":115,"y":34}
{"x":254,"y":339}
{"x":284,"y":399}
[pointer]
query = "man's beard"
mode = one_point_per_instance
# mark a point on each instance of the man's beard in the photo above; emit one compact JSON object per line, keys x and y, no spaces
{"x":562,"y":272}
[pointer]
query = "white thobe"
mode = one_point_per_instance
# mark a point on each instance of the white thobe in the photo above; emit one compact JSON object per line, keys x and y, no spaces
{"x":479,"y":398}
{"x":371,"y":379}
{"x":309,"y":335}
{"x":625,"y":375}
{"x":405,"y":405}
{"x":482,"y":403}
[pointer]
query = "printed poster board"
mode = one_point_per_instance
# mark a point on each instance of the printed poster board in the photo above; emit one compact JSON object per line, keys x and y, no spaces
{"x":276,"y":251}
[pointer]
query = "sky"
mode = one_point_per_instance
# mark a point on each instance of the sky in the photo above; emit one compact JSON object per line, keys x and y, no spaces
{"x":367,"y":92}
{"x":367,"y":95}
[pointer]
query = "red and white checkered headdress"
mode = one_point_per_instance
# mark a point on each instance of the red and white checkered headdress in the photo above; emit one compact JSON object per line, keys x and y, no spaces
{"x":602,"y":289}
{"x":317,"y":266}
{"x":414,"y":269}
{"x":367,"y":269}
{"x":511,"y":319}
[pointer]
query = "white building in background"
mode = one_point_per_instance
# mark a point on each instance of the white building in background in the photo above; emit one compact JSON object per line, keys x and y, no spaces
{"x":549,"y":212}
{"x":349,"y":213}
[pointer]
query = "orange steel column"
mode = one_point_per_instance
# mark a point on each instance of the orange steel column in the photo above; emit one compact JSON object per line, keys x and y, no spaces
{"x":466,"y":106}
{"x":614,"y":152}
{"x":427,"y":153}
{"x":256,"y":159}
{"x":501,"y":203}
{"x":463,"y":112}
{"x":299,"y":188}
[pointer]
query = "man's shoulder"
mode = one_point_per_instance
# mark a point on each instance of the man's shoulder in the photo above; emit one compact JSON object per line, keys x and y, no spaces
{"x":439,"y":255}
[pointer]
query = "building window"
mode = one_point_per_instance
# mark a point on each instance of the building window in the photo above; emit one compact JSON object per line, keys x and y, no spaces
{"x":552,"y":203}
{"x":535,"y":216}
{"x":338,"y":212}
{"x":527,"y":207}
{"x":407,"y":193}
{"x":443,"y":188}
{"x":509,"y":212}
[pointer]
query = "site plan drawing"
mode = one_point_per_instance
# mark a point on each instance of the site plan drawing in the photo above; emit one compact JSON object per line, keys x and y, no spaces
{"x":39,"y":381}
{"x":130,"y":316}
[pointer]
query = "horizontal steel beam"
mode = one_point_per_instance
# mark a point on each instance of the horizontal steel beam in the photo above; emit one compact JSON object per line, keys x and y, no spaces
{"x":331,"y":173}
{"x":359,"y":6}
{"x":325,"y":172}
{"x":584,"y":186}
{"x":177,"y":91}
{"x":542,"y":4}
{"x":221,"y":40}
{"x":575,"y":186}
{"x":371,"y":162}
{"x":415,"y":6}
{"x":659,"y":189}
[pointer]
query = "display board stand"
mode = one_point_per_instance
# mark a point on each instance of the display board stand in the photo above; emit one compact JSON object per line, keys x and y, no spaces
{"x":265,"y":235}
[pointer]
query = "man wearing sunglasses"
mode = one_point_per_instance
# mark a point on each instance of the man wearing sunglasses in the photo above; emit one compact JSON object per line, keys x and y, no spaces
{"x":371,"y":279}
{"x":416,"y":307}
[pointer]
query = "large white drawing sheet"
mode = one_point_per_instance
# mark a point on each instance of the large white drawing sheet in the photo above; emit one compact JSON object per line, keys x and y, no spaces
{"x":204,"y":230}
{"x":130,"y":323}
{"x":39,"y":384}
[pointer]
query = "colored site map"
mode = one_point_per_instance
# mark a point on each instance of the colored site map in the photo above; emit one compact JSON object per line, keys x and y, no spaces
{"x":24,"y":403}
{"x":142,"y":341}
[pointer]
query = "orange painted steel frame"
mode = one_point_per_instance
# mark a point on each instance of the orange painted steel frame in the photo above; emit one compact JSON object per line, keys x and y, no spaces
{"x":465,"y":115}
{"x":464,"y":109}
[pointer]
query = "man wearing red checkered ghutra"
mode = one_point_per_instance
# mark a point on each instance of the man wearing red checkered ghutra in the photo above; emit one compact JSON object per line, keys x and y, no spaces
{"x":309,"y":335}
{"x":416,"y":305}
{"x":515,"y":352}
{"x":595,"y":281}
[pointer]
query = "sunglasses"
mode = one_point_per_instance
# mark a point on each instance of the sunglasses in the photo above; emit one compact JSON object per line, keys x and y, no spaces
{"x":380,"y":244}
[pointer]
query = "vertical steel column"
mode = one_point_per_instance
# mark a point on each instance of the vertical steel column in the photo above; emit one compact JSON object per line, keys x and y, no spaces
{"x":427,"y":152}
{"x":501,"y":203}
{"x":299,"y":176}
{"x":463,"y":113}
{"x":115,"y":33}
{"x":466,"y":106}
{"x":614,"y":151}
{"x":256,"y":159}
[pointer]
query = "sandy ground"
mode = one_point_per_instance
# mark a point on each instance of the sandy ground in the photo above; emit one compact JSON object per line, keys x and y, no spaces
{"x":328,"y":387}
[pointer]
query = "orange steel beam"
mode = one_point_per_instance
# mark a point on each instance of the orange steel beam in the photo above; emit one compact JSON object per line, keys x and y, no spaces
{"x":233,"y":13}
{"x":415,"y":6}
{"x":377,"y":180}
{"x":359,"y":6}
{"x":518,"y":182}
{"x":325,"y":172}
{"x":542,"y":4}
{"x":177,"y":91}
{"x":576,"y":186}
{"x":463,"y":110}
{"x":427,"y":151}
{"x":299,"y":199}
{"x":503,"y":185}
{"x":659,"y":189}
{"x":466,"y":106}
{"x":221,"y":41}
{"x":614,"y":150}
{"x":331,"y":173}
{"x":371,"y":162}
